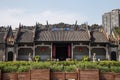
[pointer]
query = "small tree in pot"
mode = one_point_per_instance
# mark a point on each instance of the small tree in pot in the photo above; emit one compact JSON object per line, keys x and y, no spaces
{"x":37,"y":58}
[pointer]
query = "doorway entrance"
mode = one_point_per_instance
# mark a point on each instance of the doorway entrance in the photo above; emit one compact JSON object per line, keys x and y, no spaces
{"x":113,"y":55}
{"x":10,"y":56}
{"x":62,"y":51}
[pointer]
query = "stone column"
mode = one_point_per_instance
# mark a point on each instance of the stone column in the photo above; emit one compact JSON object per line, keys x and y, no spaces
{"x":4,"y":57}
{"x":33,"y":51}
{"x":51,"y":50}
{"x":94,"y":57}
{"x":118,"y":52}
{"x":119,"y":57}
{"x":14,"y":53}
{"x":72,"y":50}
{"x":17,"y":52}
{"x":107,"y":53}
{"x":6,"y":54}
{"x":14,"y":57}
{"x":89,"y":51}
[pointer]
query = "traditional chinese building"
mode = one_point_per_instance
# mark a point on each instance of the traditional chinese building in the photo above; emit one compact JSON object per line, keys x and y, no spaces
{"x":57,"y":41}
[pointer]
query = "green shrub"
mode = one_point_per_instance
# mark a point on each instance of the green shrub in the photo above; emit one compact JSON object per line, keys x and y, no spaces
{"x":2,"y":65}
{"x":85,"y":58}
{"x":16,"y":63}
{"x":64,"y":63}
{"x":115,"y":63}
{"x":57,"y":68}
{"x":105,"y":63}
{"x":10,"y":69}
{"x":23,"y":68}
{"x":87,"y":65}
{"x":80,"y":65}
{"x":90,"y":65}
{"x":71,"y":68}
{"x":41,"y":65}
{"x":115,"y":69}
{"x":22,"y":63}
{"x":104,"y":69}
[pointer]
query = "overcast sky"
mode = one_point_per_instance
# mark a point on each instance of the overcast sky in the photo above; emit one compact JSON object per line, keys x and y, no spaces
{"x":28,"y":12}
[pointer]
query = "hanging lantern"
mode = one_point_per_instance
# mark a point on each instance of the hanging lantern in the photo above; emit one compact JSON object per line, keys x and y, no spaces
{"x":80,"y":49}
{"x":43,"y":49}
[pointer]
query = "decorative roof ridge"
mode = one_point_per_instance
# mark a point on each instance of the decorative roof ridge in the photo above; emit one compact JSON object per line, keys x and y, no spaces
{"x":18,"y":31}
{"x":6,"y":33}
{"x":103,"y":31}
{"x":34,"y":33}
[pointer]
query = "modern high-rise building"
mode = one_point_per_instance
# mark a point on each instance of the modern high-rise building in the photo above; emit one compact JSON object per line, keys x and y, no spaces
{"x":111,"y":20}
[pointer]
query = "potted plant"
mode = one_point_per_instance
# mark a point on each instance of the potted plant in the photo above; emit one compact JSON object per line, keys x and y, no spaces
{"x":116,"y":70}
{"x":87,"y":70}
{"x":37,"y":58}
{"x":57,"y":72}
{"x":71,"y":72}
{"x":112,"y":74}
{"x":40,"y":71}
{"x":9,"y":73}
{"x":106,"y":73}
{"x":85,"y":58}
{"x":24,"y":73}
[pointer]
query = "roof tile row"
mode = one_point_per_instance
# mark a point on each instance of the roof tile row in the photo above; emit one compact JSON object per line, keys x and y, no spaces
{"x":26,"y":36}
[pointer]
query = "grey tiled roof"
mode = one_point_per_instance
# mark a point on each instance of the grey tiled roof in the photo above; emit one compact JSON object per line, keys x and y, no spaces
{"x":25,"y":36}
{"x":63,"y":36}
{"x":2,"y":34}
{"x":100,"y":37}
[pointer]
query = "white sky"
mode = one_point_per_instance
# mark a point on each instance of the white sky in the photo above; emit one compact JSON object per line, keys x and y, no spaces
{"x":28,"y":12}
